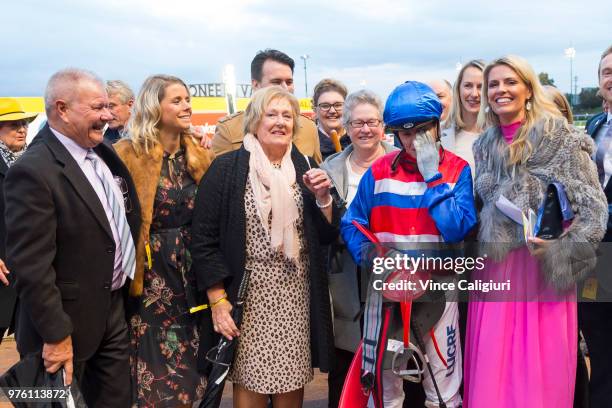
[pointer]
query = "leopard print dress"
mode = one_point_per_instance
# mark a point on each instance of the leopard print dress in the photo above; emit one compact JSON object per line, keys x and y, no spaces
{"x":273,"y":354}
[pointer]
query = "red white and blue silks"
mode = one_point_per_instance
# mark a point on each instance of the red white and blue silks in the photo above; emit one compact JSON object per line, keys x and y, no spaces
{"x":401,"y":207}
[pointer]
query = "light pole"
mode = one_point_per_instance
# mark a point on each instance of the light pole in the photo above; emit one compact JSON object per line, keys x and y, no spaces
{"x":571,"y":54}
{"x":305,"y":57}
{"x":229,"y":79}
{"x":576,"y":96}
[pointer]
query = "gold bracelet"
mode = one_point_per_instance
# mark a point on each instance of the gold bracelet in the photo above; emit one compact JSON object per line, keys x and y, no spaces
{"x":224,"y":296}
{"x":223,"y":299}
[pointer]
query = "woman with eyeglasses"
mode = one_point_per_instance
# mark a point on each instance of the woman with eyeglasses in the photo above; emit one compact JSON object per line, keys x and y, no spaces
{"x":362,"y":117}
{"x":462,"y":129}
{"x":13,"y":131}
{"x":521,"y":344}
{"x":166,"y":164}
{"x":328,"y":104}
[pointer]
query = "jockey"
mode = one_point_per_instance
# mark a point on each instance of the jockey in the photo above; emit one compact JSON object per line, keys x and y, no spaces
{"x":421,"y":194}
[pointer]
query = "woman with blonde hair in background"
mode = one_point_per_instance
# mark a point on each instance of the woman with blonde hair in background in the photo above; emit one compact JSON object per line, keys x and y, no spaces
{"x":461,"y":129}
{"x":166,"y":164}
{"x":521,"y":344}
{"x":561,"y":102}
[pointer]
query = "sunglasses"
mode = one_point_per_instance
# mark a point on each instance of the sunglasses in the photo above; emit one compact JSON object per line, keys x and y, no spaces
{"x":122,"y":184}
{"x":15,"y":124}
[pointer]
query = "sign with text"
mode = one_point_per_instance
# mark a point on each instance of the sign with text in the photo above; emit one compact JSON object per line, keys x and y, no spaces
{"x":217,"y":89}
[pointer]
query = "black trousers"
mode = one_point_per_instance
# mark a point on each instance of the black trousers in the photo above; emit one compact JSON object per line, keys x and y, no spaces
{"x":104,"y":378}
{"x":595,"y":321}
{"x":337,"y":375}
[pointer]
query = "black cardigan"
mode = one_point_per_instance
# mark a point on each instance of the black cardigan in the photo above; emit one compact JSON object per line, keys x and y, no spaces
{"x":218,"y":248}
{"x":8,"y":296}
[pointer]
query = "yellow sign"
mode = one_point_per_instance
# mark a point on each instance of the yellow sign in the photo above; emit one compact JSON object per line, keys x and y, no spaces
{"x":198,"y":104}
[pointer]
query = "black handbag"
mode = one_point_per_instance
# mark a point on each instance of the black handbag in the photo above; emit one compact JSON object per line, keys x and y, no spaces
{"x":30,"y":372}
{"x":554,"y":211}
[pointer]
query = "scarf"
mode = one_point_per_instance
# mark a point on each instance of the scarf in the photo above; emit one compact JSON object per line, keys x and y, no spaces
{"x":8,"y":155}
{"x":272,"y":191}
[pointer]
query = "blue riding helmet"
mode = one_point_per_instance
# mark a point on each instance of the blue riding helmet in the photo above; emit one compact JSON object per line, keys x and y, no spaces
{"x":409,"y":104}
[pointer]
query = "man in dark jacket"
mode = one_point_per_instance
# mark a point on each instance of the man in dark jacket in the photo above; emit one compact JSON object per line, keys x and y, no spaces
{"x":595,"y":317}
{"x":69,"y":243}
{"x":120,"y":101}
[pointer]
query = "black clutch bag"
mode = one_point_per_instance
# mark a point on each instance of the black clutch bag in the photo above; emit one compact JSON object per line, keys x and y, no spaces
{"x":30,"y":372}
{"x":554,"y":211}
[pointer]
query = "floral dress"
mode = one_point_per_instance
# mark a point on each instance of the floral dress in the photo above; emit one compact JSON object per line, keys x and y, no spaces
{"x":164,"y":336}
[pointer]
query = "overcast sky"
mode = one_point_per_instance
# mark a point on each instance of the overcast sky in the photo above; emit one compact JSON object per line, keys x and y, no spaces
{"x":365,"y":43}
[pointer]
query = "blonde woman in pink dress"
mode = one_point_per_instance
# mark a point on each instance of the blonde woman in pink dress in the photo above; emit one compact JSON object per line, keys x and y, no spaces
{"x":521,"y":345}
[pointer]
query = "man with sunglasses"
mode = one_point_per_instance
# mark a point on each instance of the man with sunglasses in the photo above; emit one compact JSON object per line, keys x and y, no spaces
{"x":421,"y":194}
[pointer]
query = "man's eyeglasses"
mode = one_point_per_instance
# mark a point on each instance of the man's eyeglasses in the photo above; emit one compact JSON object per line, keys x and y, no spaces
{"x":358,"y":124}
{"x":327,"y":106}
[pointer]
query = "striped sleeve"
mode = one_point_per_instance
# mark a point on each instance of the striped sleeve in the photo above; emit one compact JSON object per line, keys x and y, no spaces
{"x":359,"y":210}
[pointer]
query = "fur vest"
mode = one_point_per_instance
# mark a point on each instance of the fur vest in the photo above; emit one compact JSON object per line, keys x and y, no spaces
{"x":559,"y":154}
{"x":145,"y":170}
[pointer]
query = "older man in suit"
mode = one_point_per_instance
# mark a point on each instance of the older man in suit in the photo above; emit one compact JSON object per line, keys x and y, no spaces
{"x":70,"y":205}
{"x":595,"y":318}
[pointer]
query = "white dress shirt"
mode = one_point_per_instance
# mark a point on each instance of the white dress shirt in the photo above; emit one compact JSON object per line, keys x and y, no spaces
{"x":607,"y":162}
{"x":79,"y":154}
{"x":353,"y":181}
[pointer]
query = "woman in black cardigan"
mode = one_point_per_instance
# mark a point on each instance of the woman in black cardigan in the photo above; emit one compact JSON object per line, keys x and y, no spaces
{"x":264,"y":209}
{"x":13,"y":131}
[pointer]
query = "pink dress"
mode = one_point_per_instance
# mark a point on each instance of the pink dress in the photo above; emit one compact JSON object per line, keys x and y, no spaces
{"x":522,"y":353}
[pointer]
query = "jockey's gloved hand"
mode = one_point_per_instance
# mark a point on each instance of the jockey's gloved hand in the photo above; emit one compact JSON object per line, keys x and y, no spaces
{"x":428,"y":156}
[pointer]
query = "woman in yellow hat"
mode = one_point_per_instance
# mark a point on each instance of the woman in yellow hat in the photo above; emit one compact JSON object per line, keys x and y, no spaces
{"x":13,"y":130}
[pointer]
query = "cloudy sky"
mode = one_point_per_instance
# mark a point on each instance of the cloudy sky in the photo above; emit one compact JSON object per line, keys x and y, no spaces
{"x":365,"y":43}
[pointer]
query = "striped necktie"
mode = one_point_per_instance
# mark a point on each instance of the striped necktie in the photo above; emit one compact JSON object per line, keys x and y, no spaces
{"x":128,"y":262}
{"x":600,"y":155}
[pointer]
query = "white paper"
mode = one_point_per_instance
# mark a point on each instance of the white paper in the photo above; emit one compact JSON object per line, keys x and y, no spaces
{"x":509,"y":209}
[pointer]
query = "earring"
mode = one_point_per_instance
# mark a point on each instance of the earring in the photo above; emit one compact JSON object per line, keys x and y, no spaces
{"x":487,"y":109}
{"x":528,"y":105}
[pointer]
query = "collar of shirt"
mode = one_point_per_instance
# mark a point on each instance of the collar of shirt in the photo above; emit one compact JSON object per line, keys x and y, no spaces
{"x":324,"y":132}
{"x":609,"y":118}
{"x":77,"y":152}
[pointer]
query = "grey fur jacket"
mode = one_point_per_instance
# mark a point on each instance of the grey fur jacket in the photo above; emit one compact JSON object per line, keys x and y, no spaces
{"x":560,"y":154}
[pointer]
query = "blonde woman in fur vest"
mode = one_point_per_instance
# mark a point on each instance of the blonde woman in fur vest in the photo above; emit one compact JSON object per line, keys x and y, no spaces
{"x":166,"y":164}
{"x":521,"y":344}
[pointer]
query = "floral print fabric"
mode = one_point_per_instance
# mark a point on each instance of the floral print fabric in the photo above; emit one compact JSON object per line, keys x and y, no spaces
{"x":164,"y":336}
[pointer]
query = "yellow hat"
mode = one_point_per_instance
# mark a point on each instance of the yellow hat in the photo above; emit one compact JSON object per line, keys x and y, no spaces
{"x":10,"y":109}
